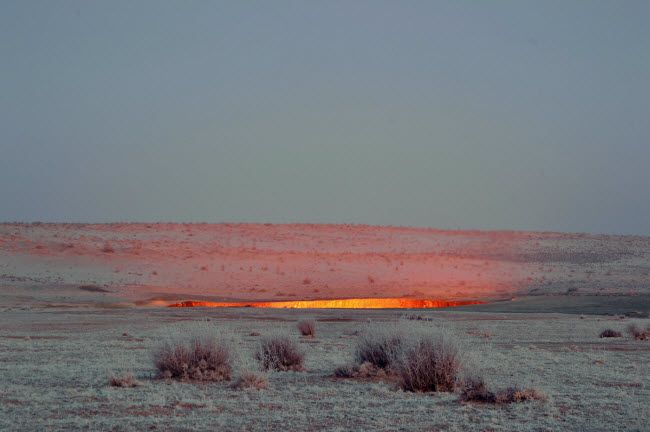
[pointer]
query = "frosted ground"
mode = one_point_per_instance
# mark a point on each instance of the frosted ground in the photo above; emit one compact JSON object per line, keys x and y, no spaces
{"x":79,"y":303}
{"x":55,"y":366}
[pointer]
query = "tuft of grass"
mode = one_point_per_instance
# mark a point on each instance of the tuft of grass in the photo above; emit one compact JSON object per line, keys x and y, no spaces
{"x":201,"y":356}
{"x":281,"y":353}
{"x":125,"y":381}
{"x":609,"y":333}
{"x":516,"y":395}
{"x":639,"y":333}
{"x":430,"y":363}
{"x":307,"y":327}
{"x":251,"y":381}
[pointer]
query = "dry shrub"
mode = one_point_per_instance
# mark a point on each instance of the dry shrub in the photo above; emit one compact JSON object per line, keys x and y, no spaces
{"x":307,"y":327}
{"x":251,"y":381}
{"x":364,"y":370}
{"x":107,"y":248}
{"x":431,"y":362}
{"x":125,"y":381}
{"x":609,"y":333}
{"x":203,"y":356}
{"x":474,"y":389}
{"x":378,"y":347}
{"x":639,"y":333}
{"x":280,"y":353}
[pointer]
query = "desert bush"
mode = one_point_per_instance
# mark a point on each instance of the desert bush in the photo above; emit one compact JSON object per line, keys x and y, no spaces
{"x":431,"y":362}
{"x":125,"y":380}
{"x":251,"y":381}
{"x":609,"y":333}
{"x":203,"y":355}
{"x":307,"y":327}
{"x":378,"y":347}
{"x":474,"y":389}
{"x":107,"y":248}
{"x":639,"y":333}
{"x":281,"y":353}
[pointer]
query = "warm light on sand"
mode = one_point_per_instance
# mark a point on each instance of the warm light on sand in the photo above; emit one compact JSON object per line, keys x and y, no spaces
{"x":366,"y":303}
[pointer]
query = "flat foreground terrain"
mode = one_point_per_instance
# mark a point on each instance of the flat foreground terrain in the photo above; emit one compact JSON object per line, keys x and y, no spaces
{"x":79,"y":303}
{"x":55,"y":366}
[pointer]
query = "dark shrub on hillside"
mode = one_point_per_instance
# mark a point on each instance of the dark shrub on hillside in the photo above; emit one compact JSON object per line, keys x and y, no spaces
{"x":638,"y":333}
{"x":609,"y":333}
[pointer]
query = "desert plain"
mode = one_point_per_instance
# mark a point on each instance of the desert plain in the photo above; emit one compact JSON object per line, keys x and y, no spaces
{"x":82,"y":302}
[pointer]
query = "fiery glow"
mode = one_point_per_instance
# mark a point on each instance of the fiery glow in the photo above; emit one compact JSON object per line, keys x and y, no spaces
{"x":363,"y":303}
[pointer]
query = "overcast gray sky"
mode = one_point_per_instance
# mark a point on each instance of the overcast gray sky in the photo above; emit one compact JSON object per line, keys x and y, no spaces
{"x":472,"y":114}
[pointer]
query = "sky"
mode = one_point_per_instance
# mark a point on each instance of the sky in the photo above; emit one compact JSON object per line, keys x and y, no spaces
{"x":515,"y":115}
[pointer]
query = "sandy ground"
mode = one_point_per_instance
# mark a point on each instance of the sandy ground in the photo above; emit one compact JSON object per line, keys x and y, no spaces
{"x":80,"y":302}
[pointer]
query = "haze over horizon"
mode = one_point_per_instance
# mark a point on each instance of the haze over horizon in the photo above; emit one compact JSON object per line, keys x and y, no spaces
{"x":504,"y":115}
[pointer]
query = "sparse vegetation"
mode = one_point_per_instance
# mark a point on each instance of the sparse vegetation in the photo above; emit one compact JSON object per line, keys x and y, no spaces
{"x":639,"y":333}
{"x":430,"y":364}
{"x":251,"y":381}
{"x":125,"y":380}
{"x":609,"y":333}
{"x":281,"y":353}
{"x":307,"y":327}
{"x":203,"y":356}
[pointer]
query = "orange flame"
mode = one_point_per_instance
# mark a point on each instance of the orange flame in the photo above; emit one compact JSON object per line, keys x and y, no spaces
{"x":365,"y":303}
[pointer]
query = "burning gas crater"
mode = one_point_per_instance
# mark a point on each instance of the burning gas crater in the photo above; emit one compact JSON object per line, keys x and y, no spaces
{"x":363,"y":303}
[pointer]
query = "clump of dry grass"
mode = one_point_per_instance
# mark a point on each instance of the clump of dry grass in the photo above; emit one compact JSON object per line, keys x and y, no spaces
{"x":639,"y":333}
{"x":474,"y":389}
{"x":364,"y":370}
{"x":378,"y":347}
{"x":609,"y":333}
{"x":307,"y":327}
{"x":516,"y":395}
{"x":125,"y":381}
{"x":251,"y":381}
{"x":430,"y":363}
{"x":281,"y":353}
{"x":202,"y":356}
